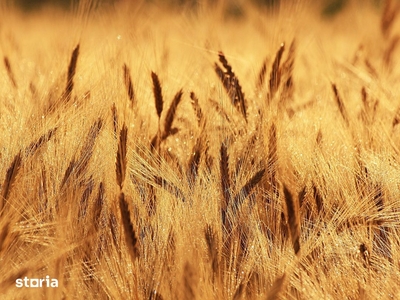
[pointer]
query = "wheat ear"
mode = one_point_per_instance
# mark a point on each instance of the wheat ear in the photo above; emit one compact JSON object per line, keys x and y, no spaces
{"x":10,"y":72}
{"x":121,"y":161}
{"x":293,"y":219}
{"x":71,"y":73}
{"x":130,"y":234}
{"x":128,"y":84}
{"x":9,"y":181}
{"x":275,"y":75}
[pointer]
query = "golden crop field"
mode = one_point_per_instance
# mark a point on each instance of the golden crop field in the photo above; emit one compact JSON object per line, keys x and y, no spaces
{"x":208,"y":150}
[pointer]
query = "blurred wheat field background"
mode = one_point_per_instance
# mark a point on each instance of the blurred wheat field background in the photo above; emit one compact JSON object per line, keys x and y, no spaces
{"x":217,"y":151}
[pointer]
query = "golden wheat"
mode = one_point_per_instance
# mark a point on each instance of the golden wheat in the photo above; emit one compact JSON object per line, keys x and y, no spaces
{"x":242,"y":153}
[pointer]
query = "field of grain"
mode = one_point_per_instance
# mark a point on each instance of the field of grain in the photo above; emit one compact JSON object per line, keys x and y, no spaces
{"x":212,"y":151}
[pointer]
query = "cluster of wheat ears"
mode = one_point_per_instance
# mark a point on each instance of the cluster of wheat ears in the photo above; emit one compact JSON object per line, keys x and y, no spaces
{"x":200,"y":153}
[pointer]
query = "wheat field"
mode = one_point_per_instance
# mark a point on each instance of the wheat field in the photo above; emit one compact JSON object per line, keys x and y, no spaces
{"x":220,"y":150}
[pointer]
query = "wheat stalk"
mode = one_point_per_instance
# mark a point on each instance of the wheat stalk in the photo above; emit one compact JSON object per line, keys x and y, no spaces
{"x":275,"y":75}
{"x":340,"y":104}
{"x":196,"y":107}
{"x":9,"y":180}
{"x":5,"y":237}
{"x":169,"y":118}
{"x":157,"y":94}
{"x":10,"y":73}
{"x":84,"y":202}
{"x":130,"y":234}
{"x":80,"y":165}
{"x":121,"y":162}
{"x":194,"y":162}
{"x":247,"y":188}
{"x":231,"y":85}
{"x":71,"y":73}
{"x":293,"y":219}
{"x":225,"y":180}
{"x":98,"y":207}
{"x":34,"y":146}
{"x":128,"y":84}
{"x":115,"y":119}
{"x":261,"y":74}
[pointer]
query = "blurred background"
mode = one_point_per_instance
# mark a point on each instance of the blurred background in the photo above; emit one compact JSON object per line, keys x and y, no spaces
{"x":329,"y":7}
